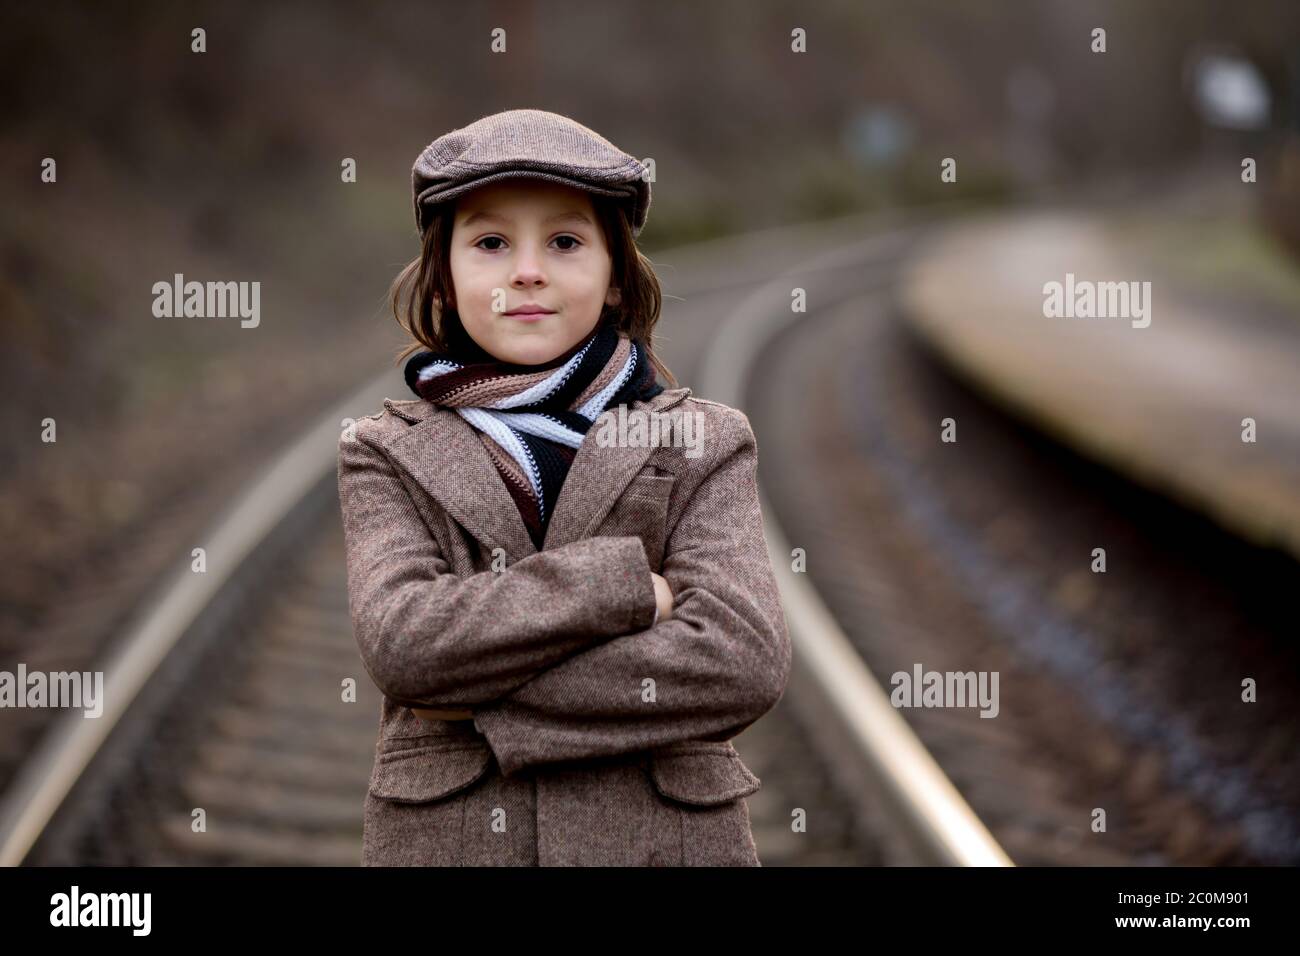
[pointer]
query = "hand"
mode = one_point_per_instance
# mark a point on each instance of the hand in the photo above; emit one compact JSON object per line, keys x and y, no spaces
{"x":663,"y":597}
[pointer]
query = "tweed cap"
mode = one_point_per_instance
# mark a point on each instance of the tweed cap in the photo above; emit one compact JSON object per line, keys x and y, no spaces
{"x":531,"y":144}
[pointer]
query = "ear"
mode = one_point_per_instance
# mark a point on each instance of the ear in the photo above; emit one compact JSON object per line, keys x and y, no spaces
{"x":613,"y":296}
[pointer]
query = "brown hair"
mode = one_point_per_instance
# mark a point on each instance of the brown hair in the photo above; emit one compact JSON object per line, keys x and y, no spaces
{"x":425,"y":283}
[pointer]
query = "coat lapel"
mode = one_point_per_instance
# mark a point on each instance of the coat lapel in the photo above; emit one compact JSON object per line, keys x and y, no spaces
{"x":446,"y":458}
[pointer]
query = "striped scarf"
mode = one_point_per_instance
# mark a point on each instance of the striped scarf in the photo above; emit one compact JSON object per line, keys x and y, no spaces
{"x":532,"y":418}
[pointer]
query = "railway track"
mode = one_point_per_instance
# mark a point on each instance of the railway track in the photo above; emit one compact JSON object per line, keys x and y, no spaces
{"x":230,"y":740}
{"x":1120,"y":692}
{"x":255,"y":733}
{"x":237,"y":707}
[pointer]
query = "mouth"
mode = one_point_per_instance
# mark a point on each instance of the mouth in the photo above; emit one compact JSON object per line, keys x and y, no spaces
{"x":530,"y":313}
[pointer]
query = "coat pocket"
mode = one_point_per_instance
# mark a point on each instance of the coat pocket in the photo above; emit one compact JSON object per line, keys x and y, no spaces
{"x":642,"y":510}
{"x":701,"y":784}
{"x":415,"y":803}
{"x":701,"y":772}
{"x":427,"y":771}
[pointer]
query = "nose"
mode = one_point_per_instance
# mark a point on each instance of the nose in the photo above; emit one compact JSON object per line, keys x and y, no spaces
{"x":528,"y":271}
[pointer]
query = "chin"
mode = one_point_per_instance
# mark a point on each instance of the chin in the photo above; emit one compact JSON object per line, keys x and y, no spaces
{"x":529,"y":355}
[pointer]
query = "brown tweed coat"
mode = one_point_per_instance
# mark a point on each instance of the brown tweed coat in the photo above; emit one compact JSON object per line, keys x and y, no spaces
{"x":595,"y":738}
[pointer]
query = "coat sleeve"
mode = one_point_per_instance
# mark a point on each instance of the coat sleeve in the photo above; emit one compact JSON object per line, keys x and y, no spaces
{"x":431,"y":638}
{"x":715,"y":667}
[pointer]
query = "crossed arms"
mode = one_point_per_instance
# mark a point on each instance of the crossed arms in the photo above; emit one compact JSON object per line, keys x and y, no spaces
{"x":556,"y":655}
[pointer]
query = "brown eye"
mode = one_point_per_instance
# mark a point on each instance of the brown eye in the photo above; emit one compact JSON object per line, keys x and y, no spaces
{"x":573,"y":239}
{"x":479,"y":244}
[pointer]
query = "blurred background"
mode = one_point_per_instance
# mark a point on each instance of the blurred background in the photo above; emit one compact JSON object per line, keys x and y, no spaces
{"x":775,"y":169}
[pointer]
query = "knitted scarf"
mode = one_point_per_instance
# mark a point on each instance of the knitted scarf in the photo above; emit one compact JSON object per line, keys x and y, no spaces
{"x":532,"y":418}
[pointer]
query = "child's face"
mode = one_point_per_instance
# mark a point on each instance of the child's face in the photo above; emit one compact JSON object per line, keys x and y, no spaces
{"x":529,"y":242}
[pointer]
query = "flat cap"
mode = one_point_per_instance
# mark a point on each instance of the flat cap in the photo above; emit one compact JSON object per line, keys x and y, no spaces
{"x":530,"y":144}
